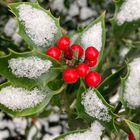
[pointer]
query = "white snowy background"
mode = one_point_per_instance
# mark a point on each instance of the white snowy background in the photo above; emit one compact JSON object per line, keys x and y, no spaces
{"x":74,"y":13}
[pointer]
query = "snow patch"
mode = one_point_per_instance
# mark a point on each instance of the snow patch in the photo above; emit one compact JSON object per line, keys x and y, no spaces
{"x":86,"y":13}
{"x":20,"y":98}
{"x":132,"y":85}
{"x":39,"y":26}
{"x":74,"y":10}
{"x":114,"y":99}
{"x":129,"y":11}
{"x":34,"y":131}
{"x":94,"y":133}
{"x":20,"y":124}
{"x":95,"y":107}
{"x":58,"y":5}
{"x":30,"y":67}
{"x":82,"y":3}
{"x":4,"y":135}
{"x":123,"y":52}
{"x":93,"y":37}
{"x":16,"y":38}
{"x":10,"y":27}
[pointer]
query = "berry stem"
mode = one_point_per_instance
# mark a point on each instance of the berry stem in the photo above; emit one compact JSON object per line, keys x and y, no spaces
{"x":64,"y":102}
{"x":82,"y":83}
{"x":63,"y":87}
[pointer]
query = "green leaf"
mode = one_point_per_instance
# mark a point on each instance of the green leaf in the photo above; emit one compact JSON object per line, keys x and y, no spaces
{"x":31,"y":28}
{"x":135,"y":128}
{"x":81,"y":110}
{"x":95,"y":31}
{"x":111,"y":82}
{"x":69,"y":133}
{"x":23,"y":81}
{"x":96,"y":131}
{"x":2,"y":53}
{"x":122,"y":92}
{"x":123,"y":29}
{"x":7,"y":44}
{"x":45,"y":113}
{"x":33,"y":110}
{"x":121,"y":89}
{"x":74,"y":37}
{"x":134,"y":52}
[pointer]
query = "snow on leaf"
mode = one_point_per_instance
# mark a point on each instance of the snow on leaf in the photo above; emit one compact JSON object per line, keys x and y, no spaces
{"x":94,"y":133}
{"x":126,"y":17}
{"x":94,"y":34}
{"x":19,"y":101}
{"x":10,"y":27}
{"x":132,"y":85}
{"x":94,"y":106}
{"x":36,"y":25}
{"x":30,"y":67}
{"x":20,"y":98}
{"x":93,"y":37}
{"x":129,"y":11}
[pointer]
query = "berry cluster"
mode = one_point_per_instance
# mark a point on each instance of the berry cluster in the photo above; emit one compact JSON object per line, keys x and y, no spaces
{"x":67,"y":52}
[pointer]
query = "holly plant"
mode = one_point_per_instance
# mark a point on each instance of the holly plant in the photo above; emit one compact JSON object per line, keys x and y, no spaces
{"x":72,"y":71}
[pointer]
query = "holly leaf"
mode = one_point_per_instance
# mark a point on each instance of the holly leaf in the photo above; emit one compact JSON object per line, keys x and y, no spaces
{"x":74,"y":37}
{"x":94,"y":35}
{"x":126,"y":17}
{"x":111,"y":82}
{"x":69,"y":133}
{"x":82,"y":111}
{"x":135,"y":128}
{"x":26,"y":111}
{"x":127,"y":105}
{"x":37,"y":26}
{"x":26,"y":82}
{"x":96,"y":131}
{"x":134,"y":52}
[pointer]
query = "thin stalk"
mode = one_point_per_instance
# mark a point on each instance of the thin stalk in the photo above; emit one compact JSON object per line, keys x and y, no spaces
{"x":118,"y":107}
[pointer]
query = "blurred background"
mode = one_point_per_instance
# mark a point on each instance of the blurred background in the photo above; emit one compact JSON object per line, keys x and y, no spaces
{"x":74,"y":15}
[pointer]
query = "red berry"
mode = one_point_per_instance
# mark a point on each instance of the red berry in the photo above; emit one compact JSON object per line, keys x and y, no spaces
{"x":91,"y":53}
{"x":54,"y":52}
{"x":82,"y":69}
{"x":131,"y":136}
{"x":92,"y":79}
{"x":70,"y":76}
{"x":68,"y":53}
{"x":91,"y":63}
{"x":78,"y":48}
{"x":63,"y":42}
